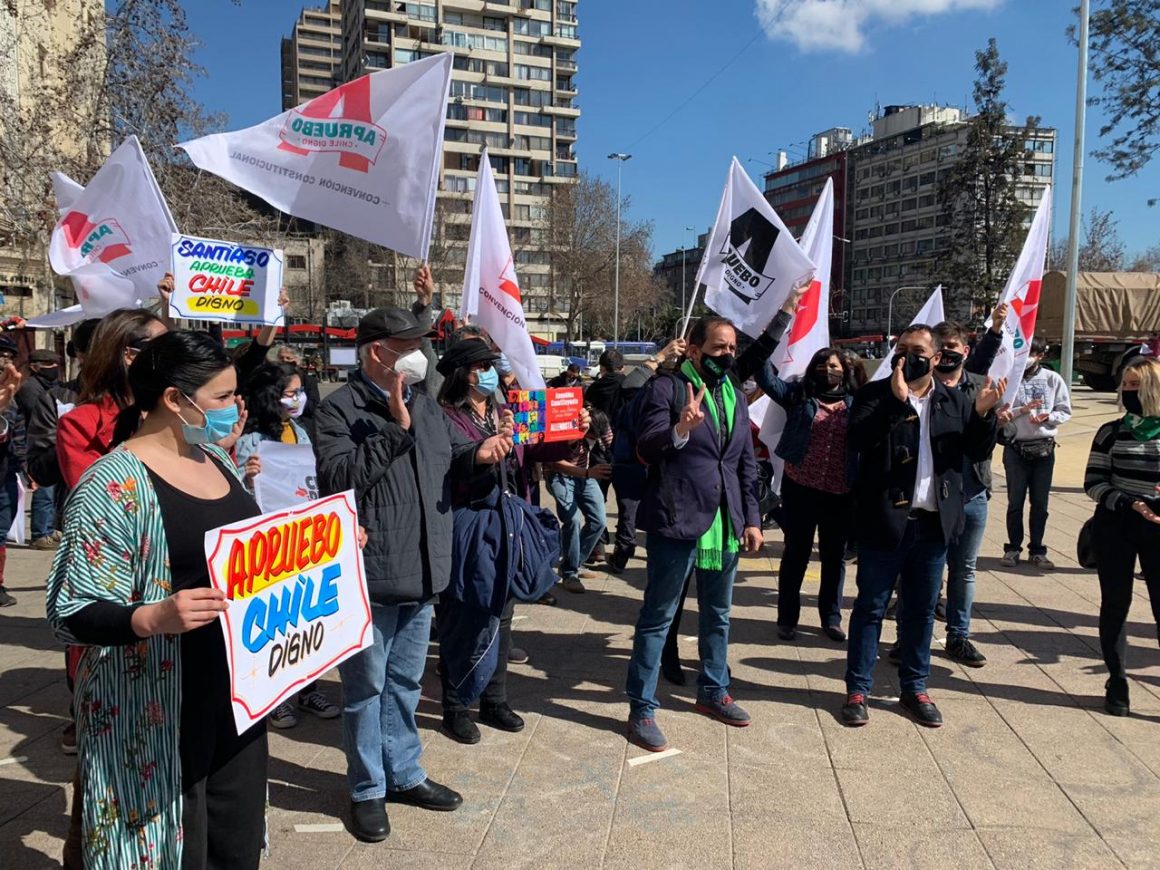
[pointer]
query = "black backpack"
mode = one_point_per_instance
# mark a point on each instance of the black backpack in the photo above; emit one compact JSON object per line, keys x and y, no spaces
{"x":629,"y":473}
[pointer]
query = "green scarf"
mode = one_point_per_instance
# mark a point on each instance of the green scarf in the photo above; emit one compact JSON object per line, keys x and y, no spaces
{"x":720,"y":538}
{"x":1142,"y":428}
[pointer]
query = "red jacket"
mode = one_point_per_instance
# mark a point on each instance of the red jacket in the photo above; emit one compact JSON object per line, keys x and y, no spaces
{"x":83,"y":436}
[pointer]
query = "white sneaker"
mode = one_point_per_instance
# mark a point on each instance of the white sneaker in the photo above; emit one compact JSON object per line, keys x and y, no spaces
{"x":1010,"y":559}
{"x":1042,"y":563}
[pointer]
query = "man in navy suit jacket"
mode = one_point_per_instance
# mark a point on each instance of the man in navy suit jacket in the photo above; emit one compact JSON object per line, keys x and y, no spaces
{"x":700,"y":508}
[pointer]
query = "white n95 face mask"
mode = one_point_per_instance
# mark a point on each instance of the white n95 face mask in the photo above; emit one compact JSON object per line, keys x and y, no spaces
{"x":411,"y":367}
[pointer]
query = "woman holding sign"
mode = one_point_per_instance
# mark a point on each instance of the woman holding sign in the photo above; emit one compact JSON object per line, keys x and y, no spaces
{"x":470,"y":399}
{"x":275,"y":401}
{"x":165,"y":783}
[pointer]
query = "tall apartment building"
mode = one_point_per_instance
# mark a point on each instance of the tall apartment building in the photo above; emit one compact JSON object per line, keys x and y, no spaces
{"x":895,"y":217}
{"x":513,"y":89}
{"x":312,"y":55}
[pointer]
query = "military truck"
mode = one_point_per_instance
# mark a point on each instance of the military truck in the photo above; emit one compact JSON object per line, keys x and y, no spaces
{"x":1116,"y":315}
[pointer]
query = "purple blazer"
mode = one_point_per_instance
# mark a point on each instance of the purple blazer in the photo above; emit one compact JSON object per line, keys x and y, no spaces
{"x":686,"y":487}
{"x":526,"y":455}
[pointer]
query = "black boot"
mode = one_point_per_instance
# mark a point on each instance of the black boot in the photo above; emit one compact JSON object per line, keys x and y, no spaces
{"x":459,"y":727}
{"x":1116,"y":697}
{"x":368,"y":820}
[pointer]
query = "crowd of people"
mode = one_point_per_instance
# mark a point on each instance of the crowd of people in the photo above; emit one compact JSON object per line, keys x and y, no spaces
{"x":159,"y":442}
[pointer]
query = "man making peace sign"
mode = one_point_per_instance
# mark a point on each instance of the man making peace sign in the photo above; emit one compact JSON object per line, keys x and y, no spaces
{"x":699,"y":508}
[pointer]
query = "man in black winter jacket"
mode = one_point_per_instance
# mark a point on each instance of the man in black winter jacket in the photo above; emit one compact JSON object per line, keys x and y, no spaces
{"x":393,"y":445}
{"x":914,"y":438}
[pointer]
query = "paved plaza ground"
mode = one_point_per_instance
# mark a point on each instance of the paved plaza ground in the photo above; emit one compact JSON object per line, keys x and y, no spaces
{"x":1027,"y":773}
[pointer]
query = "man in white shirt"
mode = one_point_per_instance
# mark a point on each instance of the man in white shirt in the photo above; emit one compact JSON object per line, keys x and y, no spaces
{"x":914,"y":438}
{"x":1042,"y":406}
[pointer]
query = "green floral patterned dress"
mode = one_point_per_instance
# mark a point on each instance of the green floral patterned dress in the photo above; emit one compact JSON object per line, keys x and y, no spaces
{"x":127,"y":698}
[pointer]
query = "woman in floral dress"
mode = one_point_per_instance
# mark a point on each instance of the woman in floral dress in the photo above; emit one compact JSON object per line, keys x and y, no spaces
{"x":165,"y":784}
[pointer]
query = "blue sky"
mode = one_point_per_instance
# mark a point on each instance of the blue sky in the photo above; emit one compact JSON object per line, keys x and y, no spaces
{"x":828,"y":65}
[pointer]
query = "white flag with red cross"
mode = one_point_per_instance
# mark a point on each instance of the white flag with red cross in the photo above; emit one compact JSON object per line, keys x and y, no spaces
{"x":491,"y":290}
{"x":1022,"y":297}
{"x":363,"y":158}
{"x":112,"y":238}
{"x":810,"y":330}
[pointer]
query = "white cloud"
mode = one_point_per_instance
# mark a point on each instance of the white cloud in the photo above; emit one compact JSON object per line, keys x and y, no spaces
{"x":820,"y":25}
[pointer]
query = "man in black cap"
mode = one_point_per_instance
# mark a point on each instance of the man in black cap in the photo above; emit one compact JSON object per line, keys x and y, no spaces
{"x":393,"y":445}
{"x":37,"y":406}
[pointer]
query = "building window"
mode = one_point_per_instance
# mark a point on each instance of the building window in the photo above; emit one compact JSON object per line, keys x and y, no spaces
{"x":531,"y":27}
{"x":295,"y":261}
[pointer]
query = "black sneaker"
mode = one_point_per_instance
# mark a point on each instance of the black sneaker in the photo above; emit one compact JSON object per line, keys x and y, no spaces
{"x":854,"y":713}
{"x":961,"y":650}
{"x":1116,"y":697}
{"x":460,"y":728}
{"x":6,"y":600}
{"x":922,"y":708}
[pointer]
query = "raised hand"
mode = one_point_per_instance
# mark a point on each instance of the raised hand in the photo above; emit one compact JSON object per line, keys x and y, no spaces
{"x":165,"y":287}
{"x":898,"y":384}
{"x":283,"y":300}
{"x":10,"y":380}
{"x":989,"y":396}
{"x":253,"y":467}
{"x":791,"y":303}
{"x":691,"y":416}
{"x":424,"y":285}
{"x":999,"y":317}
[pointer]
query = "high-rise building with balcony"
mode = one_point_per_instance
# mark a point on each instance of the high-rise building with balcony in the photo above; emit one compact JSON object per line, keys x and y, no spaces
{"x":312,"y":55}
{"x":513,"y":90}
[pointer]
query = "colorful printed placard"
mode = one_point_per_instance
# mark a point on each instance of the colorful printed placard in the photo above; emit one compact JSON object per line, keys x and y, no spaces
{"x":225,"y":282}
{"x":298,"y":601}
{"x":546,"y":415}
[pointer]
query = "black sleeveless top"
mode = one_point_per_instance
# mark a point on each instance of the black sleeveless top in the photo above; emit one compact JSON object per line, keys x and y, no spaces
{"x":209,"y":738}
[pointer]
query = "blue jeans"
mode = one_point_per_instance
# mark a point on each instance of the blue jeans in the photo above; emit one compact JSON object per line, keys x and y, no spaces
{"x":1027,"y":477}
{"x":961,"y":557}
{"x":43,"y":512}
{"x":917,"y":562}
{"x":669,"y":563}
{"x":381,"y":687}
{"x":576,"y":497}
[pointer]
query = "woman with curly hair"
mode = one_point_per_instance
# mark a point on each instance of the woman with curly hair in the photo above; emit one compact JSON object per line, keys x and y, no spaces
{"x":275,"y":401}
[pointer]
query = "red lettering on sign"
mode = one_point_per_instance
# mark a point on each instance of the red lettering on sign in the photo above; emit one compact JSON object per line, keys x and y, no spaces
{"x":355,"y":100}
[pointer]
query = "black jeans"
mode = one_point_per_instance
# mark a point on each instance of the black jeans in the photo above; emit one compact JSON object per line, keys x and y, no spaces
{"x":1027,"y":477}
{"x":495,"y":692}
{"x":805,"y":511}
{"x":1119,"y":538}
{"x":626,"y":524}
{"x":224,"y":814}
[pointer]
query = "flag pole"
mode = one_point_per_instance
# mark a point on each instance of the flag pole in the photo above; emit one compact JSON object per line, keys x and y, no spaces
{"x":1067,"y":351}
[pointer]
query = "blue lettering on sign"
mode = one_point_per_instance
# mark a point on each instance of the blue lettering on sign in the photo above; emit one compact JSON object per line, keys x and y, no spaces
{"x":222,"y":253}
{"x":268,"y":617}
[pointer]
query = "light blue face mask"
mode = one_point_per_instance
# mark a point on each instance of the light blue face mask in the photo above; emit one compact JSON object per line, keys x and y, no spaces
{"x":503,"y":366}
{"x":488,"y":381}
{"x":219,"y":422}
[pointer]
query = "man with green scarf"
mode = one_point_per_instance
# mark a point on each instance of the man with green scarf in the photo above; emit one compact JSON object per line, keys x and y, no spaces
{"x":699,"y":509}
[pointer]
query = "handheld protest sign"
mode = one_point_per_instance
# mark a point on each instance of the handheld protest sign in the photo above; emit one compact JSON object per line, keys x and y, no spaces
{"x":225,"y":282}
{"x":298,"y":601}
{"x":546,"y":415}
{"x":288,"y":477}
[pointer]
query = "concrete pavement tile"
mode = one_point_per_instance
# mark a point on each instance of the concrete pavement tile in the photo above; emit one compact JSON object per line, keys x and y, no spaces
{"x":566,"y":828}
{"x":903,"y":848}
{"x":762,"y":842}
{"x":794,"y":796}
{"x":994,"y":801}
{"x":889,"y":737}
{"x":911,"y":794}
{"x":364,"y":856}
{"x":1031,"y":849}
{"x":785,"y":733}
{"x":1127,"y":826}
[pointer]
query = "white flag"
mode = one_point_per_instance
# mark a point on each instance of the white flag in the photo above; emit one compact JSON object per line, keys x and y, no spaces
{"x":810,"y":330}
{"x":751,"y":262}
{"x":491,"y":290}
{"x":113,"y":236}
{"x":1022,"y":296}
{"x":930,"y":314}
{"x":362,"y":158}
{"x":288,"y":476}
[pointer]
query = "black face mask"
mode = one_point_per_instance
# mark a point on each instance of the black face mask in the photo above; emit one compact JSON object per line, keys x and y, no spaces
{"x":716,"y":368}
{"x":51,"y":374}
{"x":950,"y":361}
{"x":1132,"y":403}
{"x":827,"y":384}
{"x":916,"y":366}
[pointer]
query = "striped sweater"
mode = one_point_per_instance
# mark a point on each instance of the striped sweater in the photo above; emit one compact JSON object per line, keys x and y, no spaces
{"x":1122,"y":470}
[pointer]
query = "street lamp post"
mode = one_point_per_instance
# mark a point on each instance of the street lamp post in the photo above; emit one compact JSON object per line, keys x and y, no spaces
{"x":619,"y":158}
{"x":890,"y":309}
{"x":1067,"y":352}
{"x":684,"y":255}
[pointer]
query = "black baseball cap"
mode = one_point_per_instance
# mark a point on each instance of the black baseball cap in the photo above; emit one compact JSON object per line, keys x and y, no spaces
{"x":44,"y":357}
{"x":389,"y":322}
{"x":465,"y":352}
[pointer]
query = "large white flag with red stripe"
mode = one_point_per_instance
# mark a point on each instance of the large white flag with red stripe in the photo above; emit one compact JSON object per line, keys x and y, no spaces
{"x":113,"y":236}
{"x":751,"y":262}
{"x":363,"y":158}
{"x":810,"y":330}
{"x":1022,"y":297}
{"x":491,"y":290}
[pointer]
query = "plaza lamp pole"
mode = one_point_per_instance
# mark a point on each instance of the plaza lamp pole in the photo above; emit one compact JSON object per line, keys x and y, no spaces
{"x":619,"y":158}
{"x":1067,"y":352}
{"x":890,"y":309}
